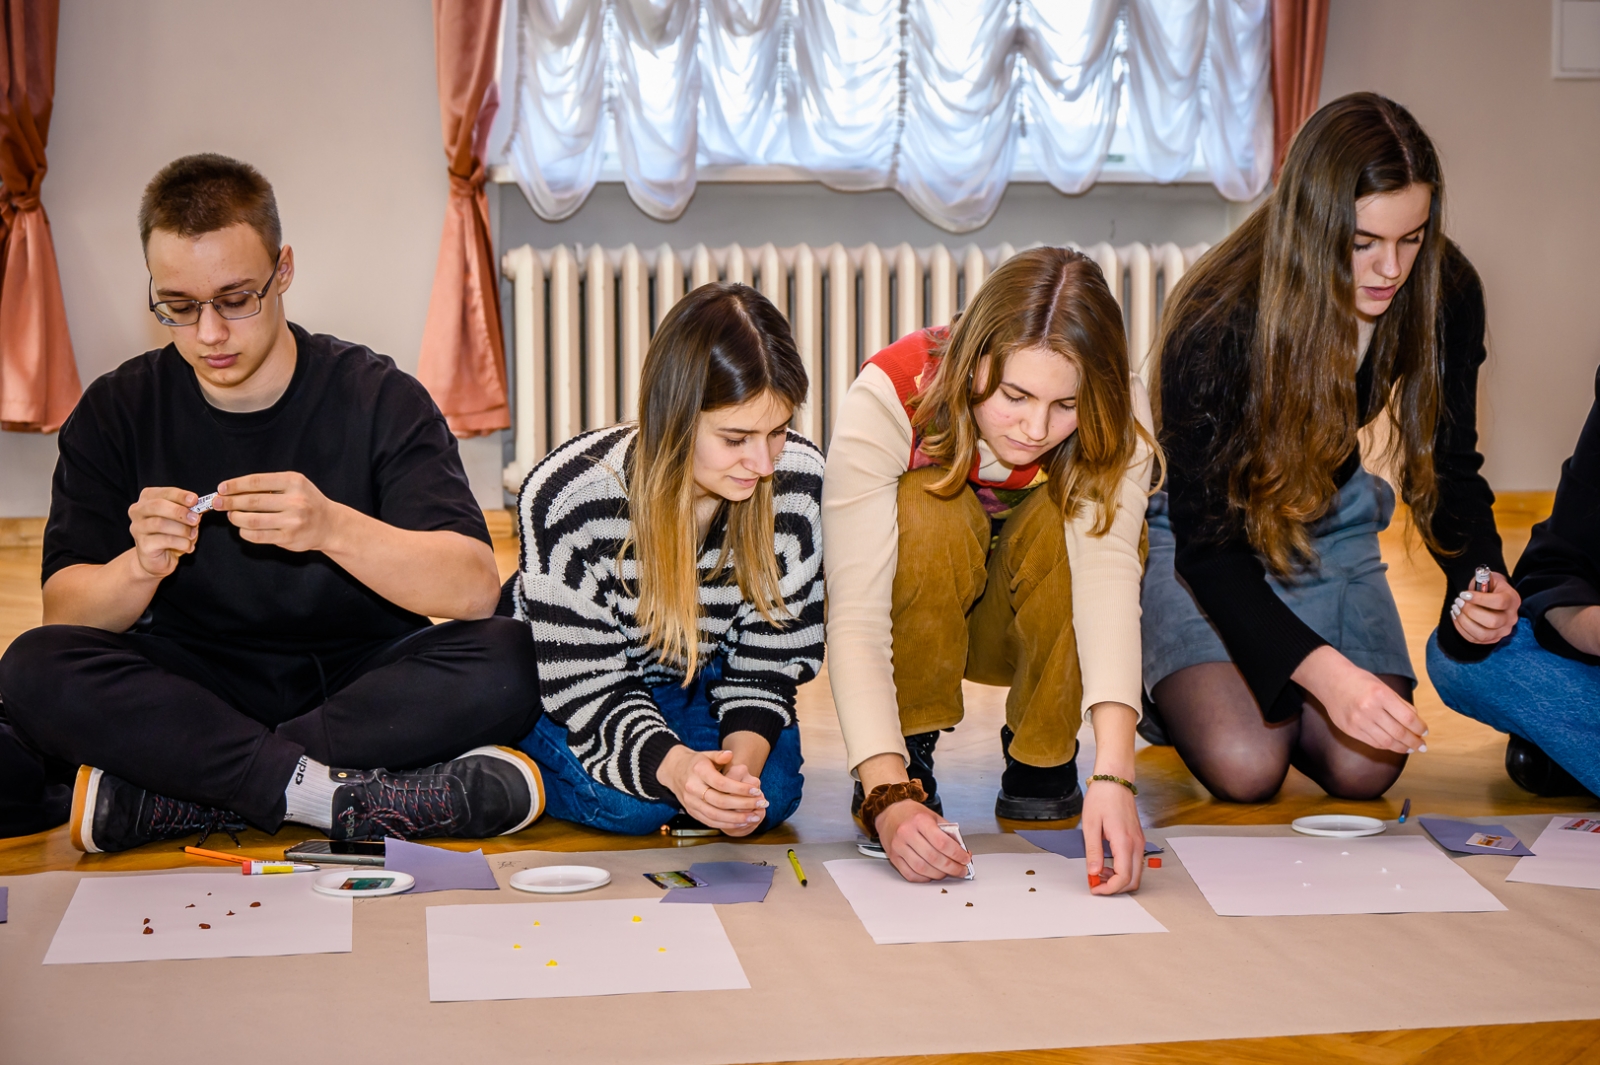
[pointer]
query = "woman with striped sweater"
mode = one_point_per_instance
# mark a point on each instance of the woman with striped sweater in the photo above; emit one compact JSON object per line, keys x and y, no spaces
{"x":671,"y":573}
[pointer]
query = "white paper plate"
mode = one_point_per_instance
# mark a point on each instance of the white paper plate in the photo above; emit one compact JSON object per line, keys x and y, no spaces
{"x":1343,"y":826}
{"x":560,"y":879}
{"x":334,"y":883}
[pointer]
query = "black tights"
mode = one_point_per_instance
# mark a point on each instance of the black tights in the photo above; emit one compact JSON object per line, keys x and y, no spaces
{"x":1214,"y":722}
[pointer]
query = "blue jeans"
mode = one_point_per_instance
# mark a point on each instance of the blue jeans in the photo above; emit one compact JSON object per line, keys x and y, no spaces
{"x":1548,"y":700}
{"x":571,"y":794}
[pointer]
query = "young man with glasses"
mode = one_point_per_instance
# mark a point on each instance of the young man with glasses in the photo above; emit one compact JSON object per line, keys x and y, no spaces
{"x":249,"y":529}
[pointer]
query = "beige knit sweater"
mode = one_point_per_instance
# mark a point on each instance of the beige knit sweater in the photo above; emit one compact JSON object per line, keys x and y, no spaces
{"x":869,"y":451}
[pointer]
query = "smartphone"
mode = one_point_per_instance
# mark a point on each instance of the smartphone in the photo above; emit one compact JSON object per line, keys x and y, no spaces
{"x":684,"y":825}
{"x":337,"y":852}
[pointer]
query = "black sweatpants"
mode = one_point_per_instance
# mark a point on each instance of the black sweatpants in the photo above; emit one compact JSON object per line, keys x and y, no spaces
{"x":224,"y":725}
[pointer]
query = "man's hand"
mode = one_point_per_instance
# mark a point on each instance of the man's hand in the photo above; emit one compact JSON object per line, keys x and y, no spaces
{"x":284,"y":509}
{"x":164,"y":529}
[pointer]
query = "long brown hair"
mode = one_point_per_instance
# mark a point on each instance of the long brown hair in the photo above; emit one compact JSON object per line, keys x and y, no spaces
{"x":1054,"y":298}
{"x":719,"y":346}
{"x":1291,"y":260}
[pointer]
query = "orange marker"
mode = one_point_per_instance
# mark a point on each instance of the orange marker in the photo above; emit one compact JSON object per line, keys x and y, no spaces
{"x":218,"y":856}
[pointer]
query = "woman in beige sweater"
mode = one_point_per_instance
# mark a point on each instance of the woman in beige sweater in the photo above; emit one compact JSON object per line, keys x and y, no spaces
{"x":982,"y":511}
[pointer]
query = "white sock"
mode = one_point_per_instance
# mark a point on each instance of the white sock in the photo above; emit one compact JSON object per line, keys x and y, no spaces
{"x":309,"y":796}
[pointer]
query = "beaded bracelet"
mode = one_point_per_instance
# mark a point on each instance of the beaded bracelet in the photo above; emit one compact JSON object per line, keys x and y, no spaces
{"x":1130,"y":785}
{"x":884,"y":796}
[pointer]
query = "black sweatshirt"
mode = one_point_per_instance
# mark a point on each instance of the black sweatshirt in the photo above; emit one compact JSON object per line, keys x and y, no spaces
{"x":1561,"y":566}
{"x":363,"y":431}
{"x":1202,"y":408}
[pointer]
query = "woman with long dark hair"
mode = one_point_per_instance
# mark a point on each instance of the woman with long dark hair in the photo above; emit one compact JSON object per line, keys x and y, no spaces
{"x":1338,"y":300}
{"x":672,"y":575}
{"x":983,"y":506}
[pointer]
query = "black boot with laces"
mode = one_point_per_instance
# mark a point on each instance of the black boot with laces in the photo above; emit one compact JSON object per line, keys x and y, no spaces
{"x":489,"y":791}
{"x":110,"y":814}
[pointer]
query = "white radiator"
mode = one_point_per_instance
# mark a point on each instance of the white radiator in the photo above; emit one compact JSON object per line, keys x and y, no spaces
{"x":582,"y":317}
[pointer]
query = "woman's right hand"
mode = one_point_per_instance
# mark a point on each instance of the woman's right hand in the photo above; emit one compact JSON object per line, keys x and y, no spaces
{"x":917,"y":846}
{"x":707,"y":794}
{"x":1360,"y":704}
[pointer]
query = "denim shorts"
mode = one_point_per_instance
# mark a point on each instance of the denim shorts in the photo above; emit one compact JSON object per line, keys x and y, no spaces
{"x":1344,"y":597}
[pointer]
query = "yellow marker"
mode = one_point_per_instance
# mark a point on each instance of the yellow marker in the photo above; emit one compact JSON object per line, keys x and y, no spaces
{"x":800,"y":874}
{"x":637,"y":919}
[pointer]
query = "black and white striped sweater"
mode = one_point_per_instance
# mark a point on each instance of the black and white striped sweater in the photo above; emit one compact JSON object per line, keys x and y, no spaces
{"x":595,"y":670}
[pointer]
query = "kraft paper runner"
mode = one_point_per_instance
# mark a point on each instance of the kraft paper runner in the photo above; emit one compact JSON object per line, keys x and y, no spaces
{"x":820,"y":987}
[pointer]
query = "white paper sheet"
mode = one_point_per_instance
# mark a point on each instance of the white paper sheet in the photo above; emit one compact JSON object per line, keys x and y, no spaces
{"x":569,"y":949}
{"x":107,"y":918}
{"x":1562,"y":857}
{"x":1282,"y":876}
{"x":1006,"y":901}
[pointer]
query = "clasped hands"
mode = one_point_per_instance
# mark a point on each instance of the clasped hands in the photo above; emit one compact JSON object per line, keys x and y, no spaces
{"x":717,"y":788}
{"x":284,"y":509}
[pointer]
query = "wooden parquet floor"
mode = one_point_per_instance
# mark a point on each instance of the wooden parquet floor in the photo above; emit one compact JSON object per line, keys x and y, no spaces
{"x":1462,"y":773}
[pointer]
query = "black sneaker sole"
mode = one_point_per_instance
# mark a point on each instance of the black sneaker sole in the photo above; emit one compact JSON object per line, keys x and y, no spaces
{"x":1027,"y":808}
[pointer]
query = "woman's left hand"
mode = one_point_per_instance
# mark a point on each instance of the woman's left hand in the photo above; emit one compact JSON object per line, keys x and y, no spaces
{"x":1110,"y":814}
{"x":1487,"y":617}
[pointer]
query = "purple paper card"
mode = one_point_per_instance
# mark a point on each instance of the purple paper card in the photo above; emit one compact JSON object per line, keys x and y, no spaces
{"x":1453,"y":835}
{"x":1068,"y":842}
{"x":436,"y":869}
{"x":726,"y":882}
{"x":4,"y":891}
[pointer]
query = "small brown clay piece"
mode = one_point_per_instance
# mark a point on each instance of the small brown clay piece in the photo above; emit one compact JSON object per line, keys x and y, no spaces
{"x":944,"y":891}
{"x":1033,"y":889}
{"x":1028,"y":873}
{"x":969,"y":905}
{"x":190,"y":906}
{"x":228,"y":914}
{"x":147,"y":920}
{"x":255,"y":905}
{"x":205,"y":926}
{"x":148,"y":930}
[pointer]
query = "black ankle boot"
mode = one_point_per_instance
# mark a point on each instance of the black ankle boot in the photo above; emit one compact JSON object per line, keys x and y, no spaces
{"x":1037,"y":793}
{"x":919,"y":748}
{"x":1533,"y":770}
{"x":1151,"y":727}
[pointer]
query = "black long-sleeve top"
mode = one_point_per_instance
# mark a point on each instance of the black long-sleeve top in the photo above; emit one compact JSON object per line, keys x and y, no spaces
{"x":1561,"y":566}
{"x":1204,"y":382}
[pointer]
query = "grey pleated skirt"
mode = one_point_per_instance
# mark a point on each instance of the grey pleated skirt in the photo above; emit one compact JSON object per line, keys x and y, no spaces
{"x":1345,"y":598}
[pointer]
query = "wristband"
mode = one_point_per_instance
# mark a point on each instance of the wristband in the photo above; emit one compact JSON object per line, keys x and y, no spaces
{"x":1130,"y":785}
{"x":884,"y":796}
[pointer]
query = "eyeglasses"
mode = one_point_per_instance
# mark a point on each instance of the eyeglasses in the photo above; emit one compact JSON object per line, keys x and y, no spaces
{"x":229,"y":305}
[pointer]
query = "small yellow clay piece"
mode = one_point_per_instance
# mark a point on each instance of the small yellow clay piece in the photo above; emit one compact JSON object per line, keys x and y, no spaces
{"x":551,"y":964}
{"x":637,"y":919}
{"x":516,"y":946}
{"x":661,"y":950}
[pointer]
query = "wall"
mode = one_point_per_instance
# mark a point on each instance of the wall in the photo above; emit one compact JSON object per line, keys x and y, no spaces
{"x":335,"y":103}
{"x":1521,"y":155}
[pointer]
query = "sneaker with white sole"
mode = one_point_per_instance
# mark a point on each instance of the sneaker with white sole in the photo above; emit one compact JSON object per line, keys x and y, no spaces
{"x":110,"y":814}
{"x":489,"y":791}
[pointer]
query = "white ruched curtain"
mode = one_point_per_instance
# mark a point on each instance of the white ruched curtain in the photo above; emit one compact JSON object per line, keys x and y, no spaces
{"x":928,"y":97}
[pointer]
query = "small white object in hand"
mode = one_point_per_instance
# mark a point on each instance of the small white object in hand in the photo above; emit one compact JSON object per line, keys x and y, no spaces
{"x":204,"y":504}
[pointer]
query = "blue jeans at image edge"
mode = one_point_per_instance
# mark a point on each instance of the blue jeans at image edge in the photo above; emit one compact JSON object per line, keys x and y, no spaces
{"x":1551,"y":701}
{"x":571,"y":794}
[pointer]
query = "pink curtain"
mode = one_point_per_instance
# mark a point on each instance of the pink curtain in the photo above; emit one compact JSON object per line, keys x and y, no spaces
{"x":1299,"y":38}
{"x":463,"y":355}
{"x":38,"y":376}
